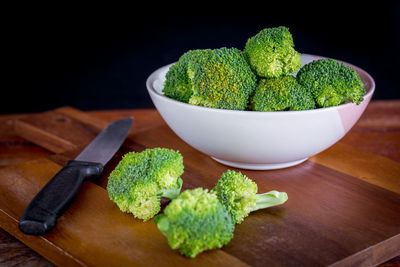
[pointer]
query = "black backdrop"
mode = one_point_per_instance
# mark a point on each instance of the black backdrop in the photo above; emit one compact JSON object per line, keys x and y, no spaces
{"x":100,"y":60}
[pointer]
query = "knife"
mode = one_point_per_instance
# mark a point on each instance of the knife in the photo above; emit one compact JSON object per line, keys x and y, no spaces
{"x":41,"y":214}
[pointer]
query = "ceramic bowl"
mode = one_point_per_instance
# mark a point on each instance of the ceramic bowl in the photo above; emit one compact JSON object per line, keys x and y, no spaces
{"x":258,"y":140}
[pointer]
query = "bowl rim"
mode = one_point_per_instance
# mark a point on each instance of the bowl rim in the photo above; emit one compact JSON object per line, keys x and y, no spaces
{"x":152,"y":77}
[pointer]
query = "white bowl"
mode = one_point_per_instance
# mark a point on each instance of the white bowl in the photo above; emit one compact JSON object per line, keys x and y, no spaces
{"x":258,"y":140}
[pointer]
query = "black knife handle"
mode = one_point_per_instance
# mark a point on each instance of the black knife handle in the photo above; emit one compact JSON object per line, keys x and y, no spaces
{"x":55,"y":197}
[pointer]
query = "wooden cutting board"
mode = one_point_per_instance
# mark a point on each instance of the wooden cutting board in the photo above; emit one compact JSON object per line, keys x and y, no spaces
{"x":343,"y":207}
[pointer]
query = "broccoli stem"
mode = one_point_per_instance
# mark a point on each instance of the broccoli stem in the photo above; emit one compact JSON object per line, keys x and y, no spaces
{"x":173,"y":192}
{"x":162,"y":222}
{"x":270,"y":199}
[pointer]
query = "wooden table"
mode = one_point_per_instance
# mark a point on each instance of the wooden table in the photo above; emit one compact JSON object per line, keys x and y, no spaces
{"x":368,"y":154}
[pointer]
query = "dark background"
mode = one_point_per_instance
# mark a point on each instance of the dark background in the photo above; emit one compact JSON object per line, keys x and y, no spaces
{"x":92,"y":59}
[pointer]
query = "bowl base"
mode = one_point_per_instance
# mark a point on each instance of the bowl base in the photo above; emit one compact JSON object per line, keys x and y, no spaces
{"x":261,"y":166}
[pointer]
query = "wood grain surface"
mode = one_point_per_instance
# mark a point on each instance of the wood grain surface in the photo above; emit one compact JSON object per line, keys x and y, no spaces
{"x":343,"y":207}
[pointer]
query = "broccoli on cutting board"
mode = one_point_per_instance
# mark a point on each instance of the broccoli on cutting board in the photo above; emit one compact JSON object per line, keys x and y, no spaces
{"x":196,"y":221}
{"x":239,"y":195}
{"x":139,"y":181}
{"x":199,"y":220}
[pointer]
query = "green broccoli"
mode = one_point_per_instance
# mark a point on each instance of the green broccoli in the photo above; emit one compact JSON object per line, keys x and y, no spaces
{"x":177,"y":84}
{"x":239,"y":195}
{"x":139,"y":181}
{"x":195,"y":221}
{"x":271,"y":53}
{"x":332,"y":83}
{"x":214,"y":78}
{"x":282,"y":93}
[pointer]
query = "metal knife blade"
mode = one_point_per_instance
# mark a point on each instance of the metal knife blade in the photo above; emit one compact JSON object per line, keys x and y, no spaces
{"x":104,"y":146}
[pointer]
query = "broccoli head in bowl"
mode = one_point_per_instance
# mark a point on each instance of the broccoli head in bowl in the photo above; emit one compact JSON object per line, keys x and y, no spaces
{"x":261,"y":77}
{"x":280,"y":94}
{"x":271,"y":53}
{"x":331,"y":82}
{"x":215,"y":78}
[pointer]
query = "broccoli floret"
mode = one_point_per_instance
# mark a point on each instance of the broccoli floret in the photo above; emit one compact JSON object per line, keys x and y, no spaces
{"x":271,"y":53}
{"x":332,"y":83}
{"x":177,"y":84}
{"x":214,"y":78}
{"x":239,"y":195}
{"x":139,"y":181}
{"x":195,"y":221}
{"x":282,"y":93}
